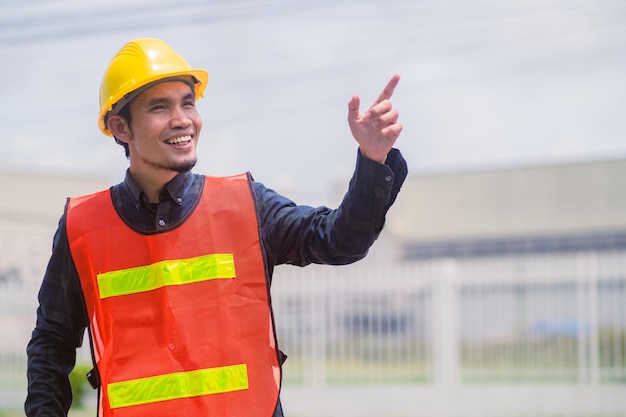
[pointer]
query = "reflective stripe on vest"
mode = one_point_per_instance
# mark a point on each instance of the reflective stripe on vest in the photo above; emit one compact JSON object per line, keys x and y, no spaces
{"x":181,"y":319}
{"x":164,"y":273}
{"x":178,"y":385}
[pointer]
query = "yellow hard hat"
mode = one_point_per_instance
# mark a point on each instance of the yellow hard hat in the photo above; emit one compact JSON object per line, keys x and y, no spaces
{"x":141,"y":62}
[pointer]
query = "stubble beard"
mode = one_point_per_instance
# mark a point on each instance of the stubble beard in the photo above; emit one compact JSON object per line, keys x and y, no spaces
{"x":180,"y":167}
{"x":185,"y":166}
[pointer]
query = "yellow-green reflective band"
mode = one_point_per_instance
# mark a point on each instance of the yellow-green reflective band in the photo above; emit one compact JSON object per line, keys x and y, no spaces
{"x":178,"y":385}
{"x":165,"y":273}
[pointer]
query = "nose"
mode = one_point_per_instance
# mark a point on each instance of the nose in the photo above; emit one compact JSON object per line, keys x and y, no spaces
{"x":180,"y":118}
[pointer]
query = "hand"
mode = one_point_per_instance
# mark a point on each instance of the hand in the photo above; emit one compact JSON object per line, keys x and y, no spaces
{"x":377,"y":129}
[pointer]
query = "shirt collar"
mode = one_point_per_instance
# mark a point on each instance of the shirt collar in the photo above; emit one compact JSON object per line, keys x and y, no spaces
{"x":176,"y":189}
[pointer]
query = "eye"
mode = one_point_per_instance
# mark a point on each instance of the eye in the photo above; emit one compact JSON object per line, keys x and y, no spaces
{"x":158,"y":107}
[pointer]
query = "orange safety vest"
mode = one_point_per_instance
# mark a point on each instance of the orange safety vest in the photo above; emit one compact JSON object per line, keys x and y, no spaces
{"x":181,"y":320}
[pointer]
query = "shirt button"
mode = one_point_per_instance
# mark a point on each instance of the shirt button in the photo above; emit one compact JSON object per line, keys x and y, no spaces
{"x":179,"y":200}
{"x":388,"y":178}
{"x":172,"y":346}
{"x":162,"y":223}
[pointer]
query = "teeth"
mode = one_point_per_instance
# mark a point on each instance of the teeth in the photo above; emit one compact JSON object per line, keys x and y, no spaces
{"x":178,"y":140}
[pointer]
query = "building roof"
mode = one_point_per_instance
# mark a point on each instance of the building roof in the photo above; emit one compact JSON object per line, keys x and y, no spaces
{"x":571,"y":199}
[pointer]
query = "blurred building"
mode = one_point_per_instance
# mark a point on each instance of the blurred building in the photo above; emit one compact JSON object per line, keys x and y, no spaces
{"x":504,"y":289}
{"x":537,"y":209}
{"x":29,"y":213}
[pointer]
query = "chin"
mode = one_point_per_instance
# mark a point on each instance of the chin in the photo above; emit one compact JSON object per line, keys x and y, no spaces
{"x":185,"y":166}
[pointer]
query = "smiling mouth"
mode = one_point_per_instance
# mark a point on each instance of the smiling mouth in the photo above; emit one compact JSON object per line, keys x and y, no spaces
{"x":178,"y":140}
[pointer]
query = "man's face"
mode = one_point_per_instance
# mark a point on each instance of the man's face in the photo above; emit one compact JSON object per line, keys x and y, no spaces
{"x":164,"y":130}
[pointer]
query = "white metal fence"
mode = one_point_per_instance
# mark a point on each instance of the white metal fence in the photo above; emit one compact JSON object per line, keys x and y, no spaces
{"x":552,"y":326}
{"x":535,"y":322}
{"x":552,"y":318}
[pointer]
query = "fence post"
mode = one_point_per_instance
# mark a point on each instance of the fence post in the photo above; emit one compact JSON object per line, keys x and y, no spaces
{"x":318,"y":331}
{"x":594,"y":322}
{"x":582,"y":286}
{"x":445,"y":319}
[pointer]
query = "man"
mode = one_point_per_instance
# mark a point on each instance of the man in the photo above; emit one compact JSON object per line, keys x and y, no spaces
{"x":170,"y":271}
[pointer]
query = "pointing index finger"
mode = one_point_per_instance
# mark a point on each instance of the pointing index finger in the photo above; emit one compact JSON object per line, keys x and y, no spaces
{"x":388,"y":90}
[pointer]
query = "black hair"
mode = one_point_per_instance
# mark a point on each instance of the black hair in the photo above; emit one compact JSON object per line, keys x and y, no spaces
{"x":124,"y":113}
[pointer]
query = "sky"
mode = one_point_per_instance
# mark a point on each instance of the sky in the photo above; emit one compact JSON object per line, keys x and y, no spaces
{"x":485,"y":83}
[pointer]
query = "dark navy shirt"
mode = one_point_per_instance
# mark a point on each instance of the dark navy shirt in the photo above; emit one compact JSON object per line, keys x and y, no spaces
{"x":290,"y":234}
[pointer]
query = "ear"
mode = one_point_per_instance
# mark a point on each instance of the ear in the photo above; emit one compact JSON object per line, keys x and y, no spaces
{"x":120,"y":128}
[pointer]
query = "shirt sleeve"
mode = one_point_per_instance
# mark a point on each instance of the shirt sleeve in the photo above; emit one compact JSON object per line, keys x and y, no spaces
{"x":58,"y":332}
{"x":301,"y":235}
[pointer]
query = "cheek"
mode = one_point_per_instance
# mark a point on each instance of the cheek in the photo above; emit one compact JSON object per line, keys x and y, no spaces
{"x":198,"y":122}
